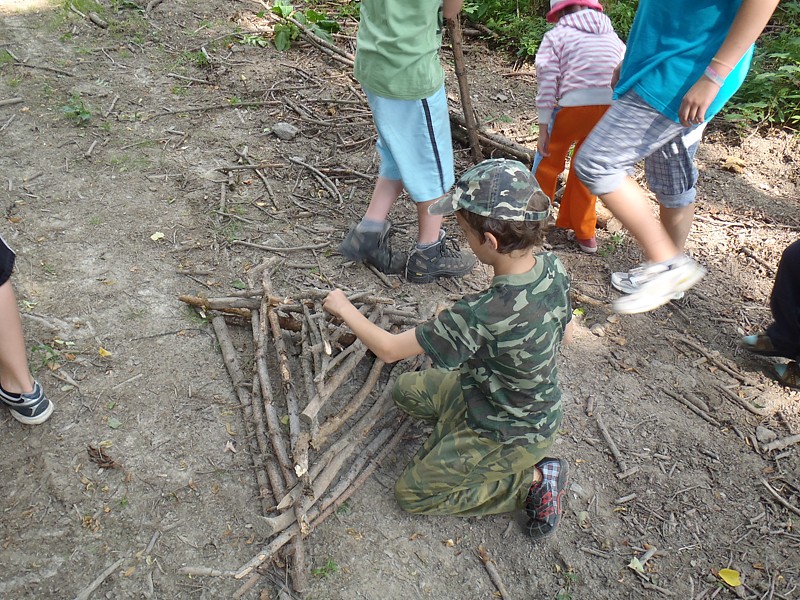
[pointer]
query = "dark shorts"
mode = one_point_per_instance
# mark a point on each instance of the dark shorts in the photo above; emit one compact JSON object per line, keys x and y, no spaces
{"x":6,"y":261}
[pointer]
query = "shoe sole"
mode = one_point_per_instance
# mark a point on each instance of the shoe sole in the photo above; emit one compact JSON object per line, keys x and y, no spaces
{"x":639,"y":302}
{"x":38,"y":419}
{"x":563,"y":480}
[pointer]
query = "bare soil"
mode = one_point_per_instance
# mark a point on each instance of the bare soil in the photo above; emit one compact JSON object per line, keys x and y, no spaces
{"x":112,"y":197}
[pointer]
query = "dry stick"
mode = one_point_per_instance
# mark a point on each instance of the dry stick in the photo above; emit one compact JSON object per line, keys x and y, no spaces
{"x":278,"y":249}
{"x":335,"y":499}
{"x":243,"y":155}
{"x":315,"y":404}
{"x":327,"y":507}
{"x":494,"y":140}
{"x":204,"y":572}
{"x":274,"y":473}
{"x":747,"y":252}
{"x":782,"y":443}
{"x":494,"y":575}
{"x":231,"y":361}
{"x":84,"y":595}
{"x":334,"y":422}
{"x":334,"y":457}
{"x":700,"y":413}
{"x":43,"y":68}
{"x":611,"y":445}
{"x":179,"y":111}
{"x":9,"y":101}
{"x":733,"y":373}
{"x":298,"y":443}
{"x":321,"y":177}
{"x":780,"y":498}
{"x":454,"y":27}
{"x":319,"y":42}
{"x":742,"y":402}
{"x":248,"y":585}
{"x":110,"y":108}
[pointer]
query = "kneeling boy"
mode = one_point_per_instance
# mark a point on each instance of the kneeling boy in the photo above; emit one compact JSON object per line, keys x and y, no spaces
{"x":493,"y":397}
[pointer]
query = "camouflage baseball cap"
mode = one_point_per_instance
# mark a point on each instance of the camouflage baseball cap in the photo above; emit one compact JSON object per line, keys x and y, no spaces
{"x":502,"y":189}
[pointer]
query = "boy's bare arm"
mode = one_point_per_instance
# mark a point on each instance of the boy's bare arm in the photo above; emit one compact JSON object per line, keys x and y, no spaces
{"x":389,"y":347}
{"x":451,"y":8}
{"x":748,"y":24}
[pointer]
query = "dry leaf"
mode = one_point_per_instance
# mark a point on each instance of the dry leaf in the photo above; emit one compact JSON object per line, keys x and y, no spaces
{"x":103,"y":352}
{"x":230,"y":446}
{"x":730,"y":577}
{"x":157,"y":236}
{"x":734,"y":164}
{"x":103,"y":460}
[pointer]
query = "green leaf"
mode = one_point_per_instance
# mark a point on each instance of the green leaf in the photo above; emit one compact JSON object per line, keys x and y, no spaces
{"x":114,"y":423}
{"x":238,"y":284}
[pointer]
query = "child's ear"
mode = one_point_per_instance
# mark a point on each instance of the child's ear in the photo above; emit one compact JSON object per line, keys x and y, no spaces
{"x":489,"y":238}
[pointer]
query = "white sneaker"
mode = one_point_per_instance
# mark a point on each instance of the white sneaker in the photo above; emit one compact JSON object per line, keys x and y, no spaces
{"x":625,"y":282}
{"x":657,"y":283}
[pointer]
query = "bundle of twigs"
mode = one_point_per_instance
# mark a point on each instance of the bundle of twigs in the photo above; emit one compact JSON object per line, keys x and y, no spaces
{"x":305,"y":473}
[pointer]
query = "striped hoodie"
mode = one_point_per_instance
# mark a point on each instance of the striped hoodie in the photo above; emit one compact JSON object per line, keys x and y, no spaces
{"x":575,"y":62}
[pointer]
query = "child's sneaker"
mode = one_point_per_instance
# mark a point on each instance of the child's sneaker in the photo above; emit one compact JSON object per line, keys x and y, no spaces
{"x":625,"y":282}
{"x":543,"y":504}
{"x":589,"y":245}
{"x":657,"y":284}
{"x":373,"y":247}
{"x":31,"y":408}
{"x":443,"y":259}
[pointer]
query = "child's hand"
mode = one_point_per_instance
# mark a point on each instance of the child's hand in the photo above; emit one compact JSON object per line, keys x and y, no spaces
{"x":696,"y":102}
{"x":336,"y":302}
{"x":543,"y":144}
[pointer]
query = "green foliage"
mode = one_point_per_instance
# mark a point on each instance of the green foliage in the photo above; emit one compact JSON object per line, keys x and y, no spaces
{"x":326,"y":570}
{"x":612,"y":245}
{"x":76,"y":110}
{"x":771,"y":93}
{"x":5,"y":57}
{"x":518,"y":31}
{"x":286,"y":32}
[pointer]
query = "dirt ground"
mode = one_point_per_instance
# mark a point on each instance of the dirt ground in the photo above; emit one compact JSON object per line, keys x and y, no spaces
{"x":113,"y":197}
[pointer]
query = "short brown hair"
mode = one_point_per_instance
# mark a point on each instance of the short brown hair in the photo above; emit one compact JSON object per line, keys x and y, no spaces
{"x":511,"y":235}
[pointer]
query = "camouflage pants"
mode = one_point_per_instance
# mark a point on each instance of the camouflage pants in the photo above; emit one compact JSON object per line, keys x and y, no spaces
{"x":458,"y":472}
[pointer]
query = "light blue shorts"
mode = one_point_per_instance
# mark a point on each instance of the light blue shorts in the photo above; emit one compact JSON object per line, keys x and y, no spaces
{"x":414,"y":143}
{"x":632,"y":130}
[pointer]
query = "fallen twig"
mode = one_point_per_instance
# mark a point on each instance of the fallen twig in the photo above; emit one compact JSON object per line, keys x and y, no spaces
{"x":780,"y":498}
{"x":782,"y":443}
{"x":611,"y":445}
{"x":84,"y":594}
{"x":700,"y":413}
{"x":491,"y":569}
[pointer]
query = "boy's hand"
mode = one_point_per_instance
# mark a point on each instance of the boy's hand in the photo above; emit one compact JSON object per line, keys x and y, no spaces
{"x":336,"y":302}
{"x":543,"y":144}
{"x":696,"y":102}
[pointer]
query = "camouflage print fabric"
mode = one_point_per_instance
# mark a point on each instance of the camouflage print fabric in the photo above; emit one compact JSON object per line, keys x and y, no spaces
{"x":502,"y":189}
{"x":504,"y":343}
{"x":457,"y":471}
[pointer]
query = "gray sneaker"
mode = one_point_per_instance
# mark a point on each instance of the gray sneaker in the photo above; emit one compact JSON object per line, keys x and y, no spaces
{"x":32,"y":408}
{"x":373,"y":247}
{"x":657,"y":284}
{"x":625,"y":282}
{"x":443,"y":259}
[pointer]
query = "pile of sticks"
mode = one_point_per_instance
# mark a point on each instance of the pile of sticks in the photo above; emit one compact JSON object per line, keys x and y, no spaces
{"x":305,"y":475}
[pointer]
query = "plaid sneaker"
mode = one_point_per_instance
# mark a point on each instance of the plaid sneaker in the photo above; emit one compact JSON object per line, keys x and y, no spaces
{"x":443,"y":259}
{"x":655,"y":284}
{"x":31,"y":408}
{"x":543,"y":504}
{"x":373,"y":247}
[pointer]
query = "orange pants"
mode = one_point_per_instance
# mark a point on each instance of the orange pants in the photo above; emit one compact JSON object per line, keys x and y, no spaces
{"x":571,"y":125}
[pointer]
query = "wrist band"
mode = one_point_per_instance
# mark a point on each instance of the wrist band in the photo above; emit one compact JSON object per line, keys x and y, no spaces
{"x":719,"y":62}
{"x":714,"y":76}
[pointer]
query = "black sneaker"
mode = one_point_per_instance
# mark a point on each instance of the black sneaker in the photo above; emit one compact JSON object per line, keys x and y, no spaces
{"x":543,"y":504}
{"x":373,"y":247}
{"x":31,"y":408}
{"x":443,"y":259}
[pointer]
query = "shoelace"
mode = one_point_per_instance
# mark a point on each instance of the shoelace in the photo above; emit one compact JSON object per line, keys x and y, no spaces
{"x":454,"y":249}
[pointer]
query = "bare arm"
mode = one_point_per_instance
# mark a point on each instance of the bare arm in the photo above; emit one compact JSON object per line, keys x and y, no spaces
{"x":451,"y":8}
{"x":389,"y":347}
{"x":569,"y":331}
{"x":748,"y":24}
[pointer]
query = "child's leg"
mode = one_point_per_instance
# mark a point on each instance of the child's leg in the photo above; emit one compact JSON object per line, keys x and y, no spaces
{"x":546,"y":169}
{"x":15,"y":377}
{"x":578,"y":203}
{"x":785,"y":304}
{"x":672,"y":175}
{"x":456,"y":471}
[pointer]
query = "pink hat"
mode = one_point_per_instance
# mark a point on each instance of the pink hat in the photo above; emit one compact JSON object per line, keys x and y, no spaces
{"x":558,"y":5}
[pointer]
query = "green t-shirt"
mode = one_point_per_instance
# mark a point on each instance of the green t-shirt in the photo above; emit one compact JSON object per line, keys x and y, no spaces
{"x":504,"y":341}
{"x":397,"y":49}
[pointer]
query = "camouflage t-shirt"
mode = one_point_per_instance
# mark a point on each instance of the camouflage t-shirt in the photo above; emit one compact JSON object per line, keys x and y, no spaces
{"x":504,"y":342}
